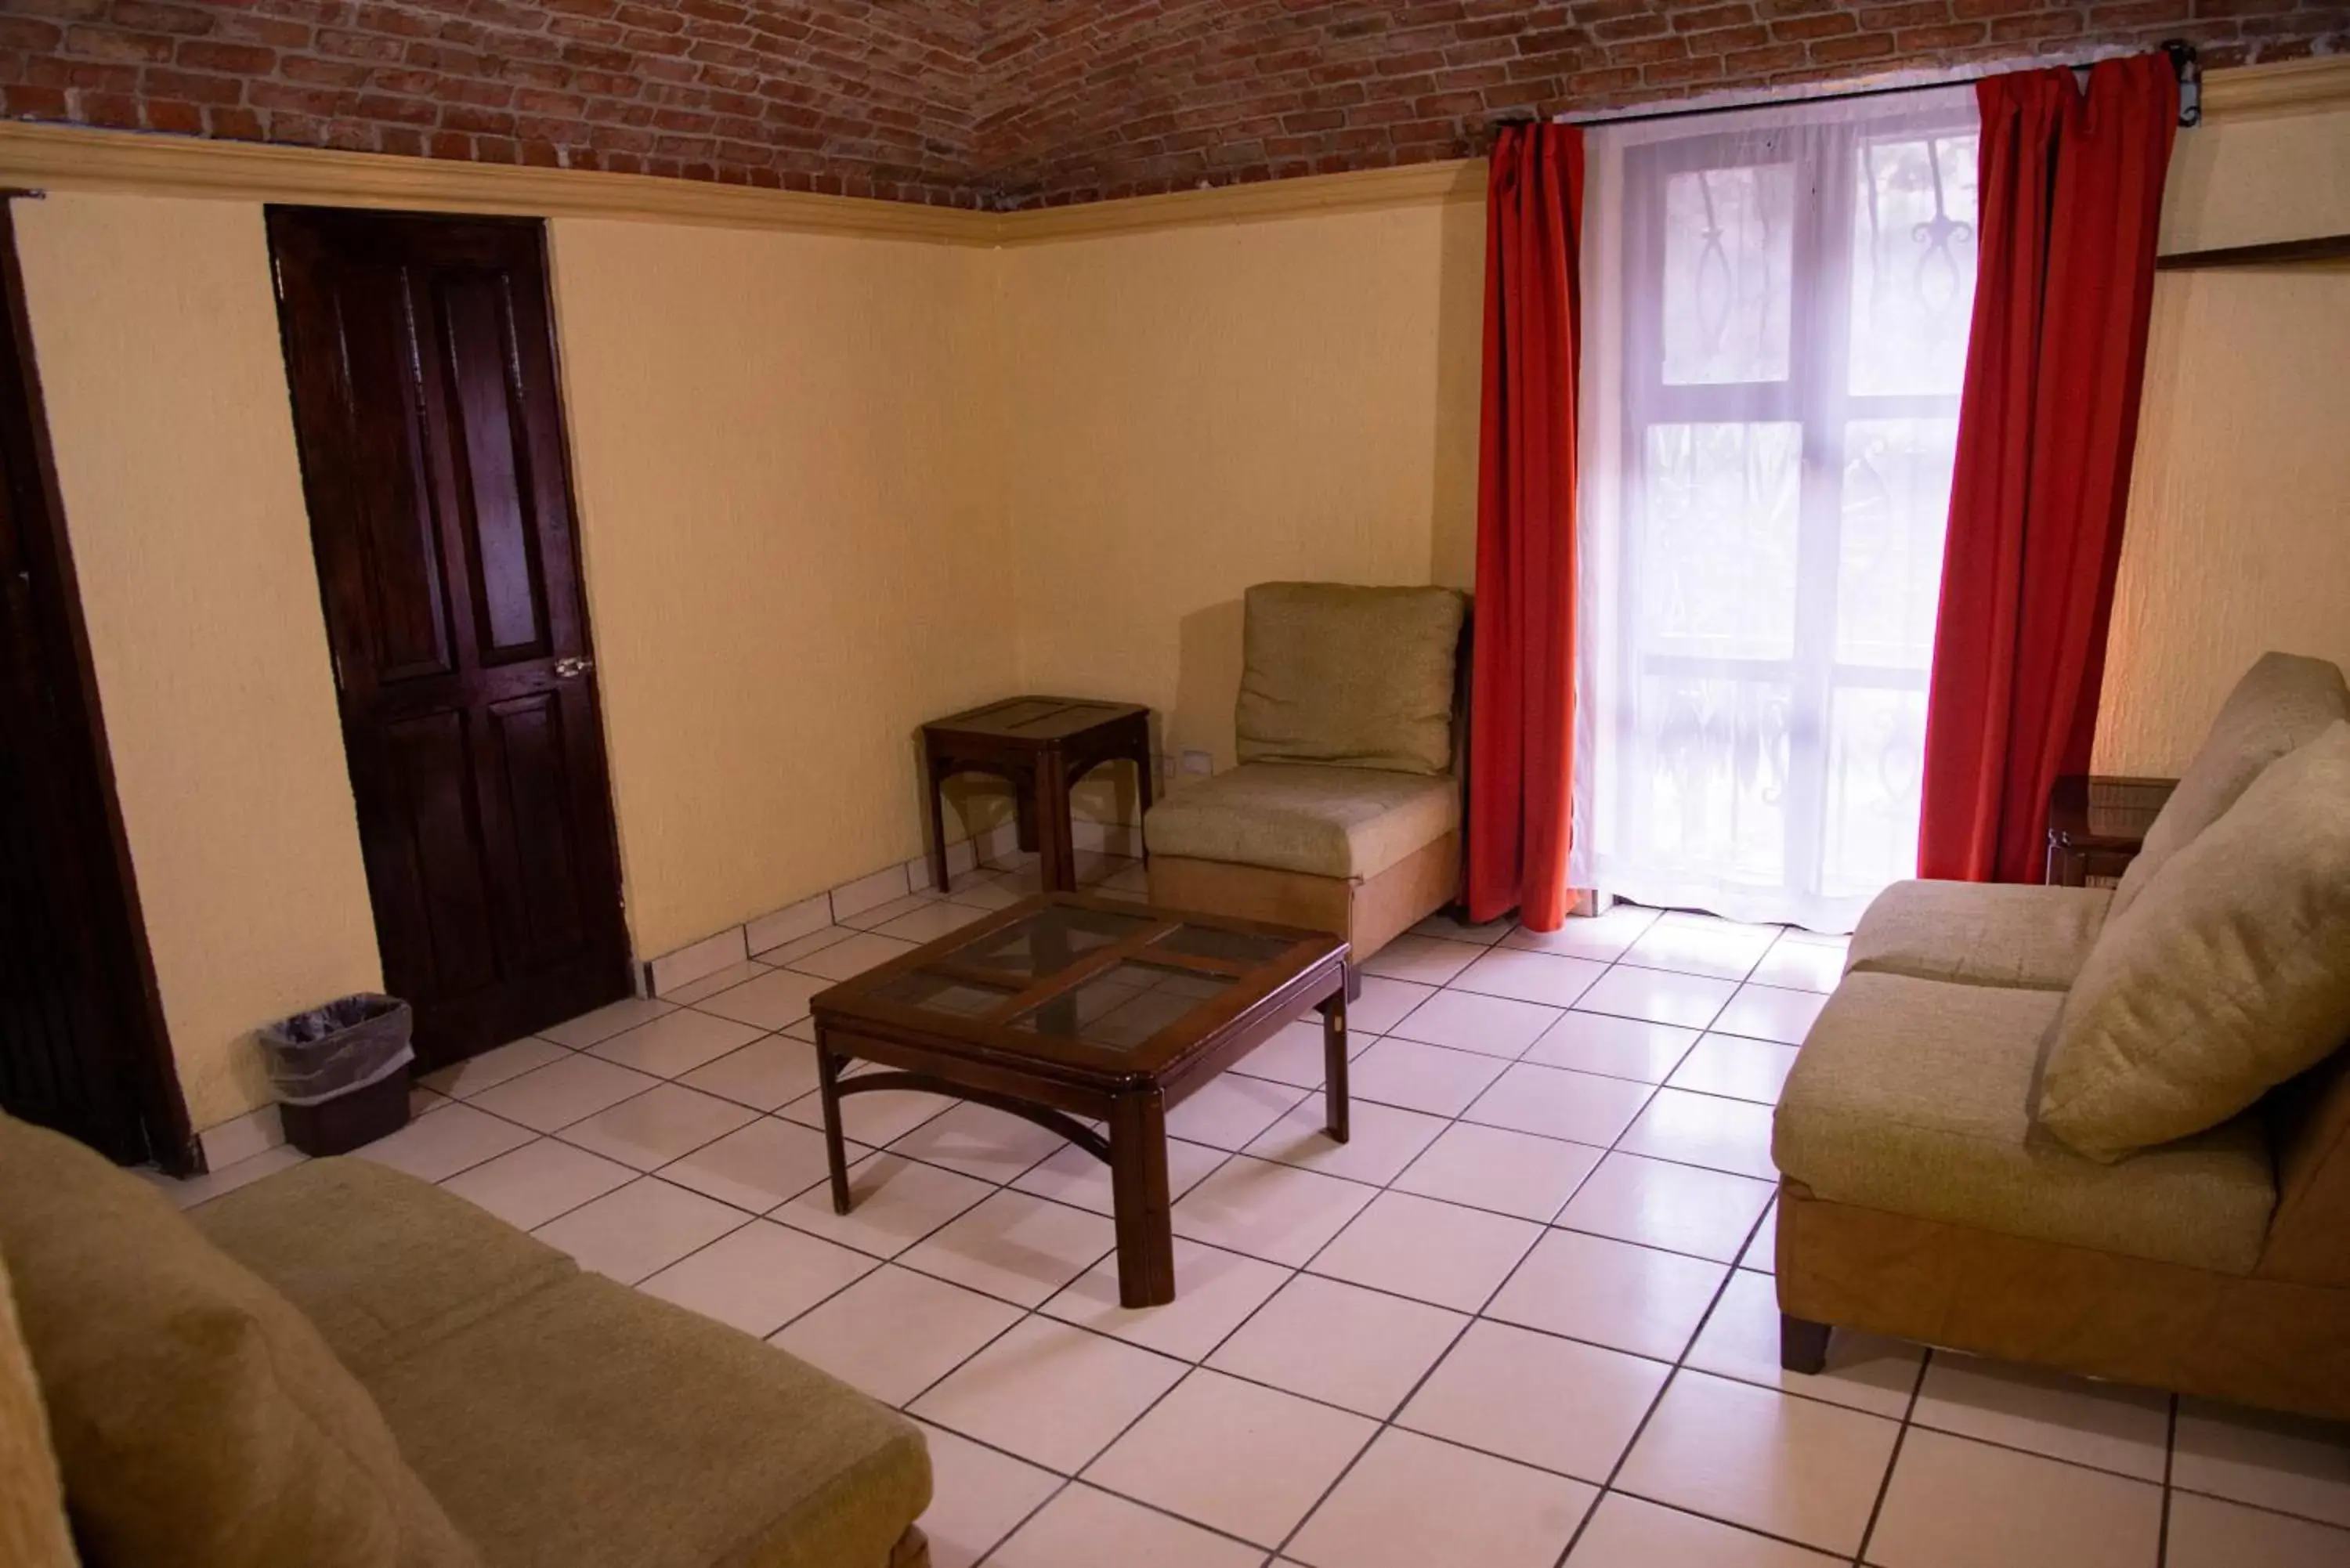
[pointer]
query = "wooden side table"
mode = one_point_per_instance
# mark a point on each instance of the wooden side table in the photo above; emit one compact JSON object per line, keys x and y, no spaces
{"x":1042,"y":745}
{"x":2096,"y":823}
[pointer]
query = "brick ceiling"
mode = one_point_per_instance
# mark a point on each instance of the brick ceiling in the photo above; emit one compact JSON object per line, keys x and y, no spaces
{"x":1000,"y":103}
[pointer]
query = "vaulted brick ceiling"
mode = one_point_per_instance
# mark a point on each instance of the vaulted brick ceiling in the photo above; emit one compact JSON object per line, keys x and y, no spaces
{"x":1000,"y":103}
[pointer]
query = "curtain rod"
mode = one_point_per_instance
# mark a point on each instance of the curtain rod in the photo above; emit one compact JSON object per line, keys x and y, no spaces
{"x":2182,"y":55}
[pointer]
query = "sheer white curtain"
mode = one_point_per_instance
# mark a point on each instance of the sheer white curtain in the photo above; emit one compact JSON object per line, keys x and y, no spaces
{"x":1775,"y":308}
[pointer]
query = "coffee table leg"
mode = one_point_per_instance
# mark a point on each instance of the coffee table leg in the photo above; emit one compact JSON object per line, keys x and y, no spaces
{"x":827,"y":1077}
{"x":1137,"y":1179}
{"x":1334,"y":1063}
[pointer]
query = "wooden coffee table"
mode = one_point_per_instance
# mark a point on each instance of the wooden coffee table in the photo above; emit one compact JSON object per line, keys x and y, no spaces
{"x":1064,"y":1006}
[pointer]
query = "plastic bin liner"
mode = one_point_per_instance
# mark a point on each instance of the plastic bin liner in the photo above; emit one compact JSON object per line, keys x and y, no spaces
{"x":332,"y":1049}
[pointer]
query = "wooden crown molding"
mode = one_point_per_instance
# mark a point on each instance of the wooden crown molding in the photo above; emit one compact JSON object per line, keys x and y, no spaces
{"x":1415,"y":184}
{"x":2286,"y":87}
{"x":70,"y":158}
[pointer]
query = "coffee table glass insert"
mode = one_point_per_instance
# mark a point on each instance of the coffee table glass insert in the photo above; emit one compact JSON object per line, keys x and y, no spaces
{"x":1065,"y":1006}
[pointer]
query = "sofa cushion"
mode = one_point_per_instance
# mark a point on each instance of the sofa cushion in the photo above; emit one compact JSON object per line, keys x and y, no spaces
{"x":32,"y":1497}
{"x":1326,"y":822}
{"x":198,"y":1419}
{"x":383,"y":1264}
{"x":2229,"y":976}
{"x":2284,"y":702}
{"x":590,"y":1426}
{"x":1983,"y":933}
{"x":1915,"y":1096}
{"x":1360,"y":677}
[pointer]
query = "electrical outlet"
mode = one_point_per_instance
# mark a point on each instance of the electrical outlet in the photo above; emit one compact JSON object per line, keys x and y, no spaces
{"x":1166,"y":766}
{"x":1199,"y":762}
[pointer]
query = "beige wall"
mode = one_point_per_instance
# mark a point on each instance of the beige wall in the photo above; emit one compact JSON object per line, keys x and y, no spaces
{"x":791,"y":511}
{"x":157,"y":343}
{"x":2238,"y":538}
{"x":1195,"y":410}
{"x":786,"y":449}
{"x":830,"y":486}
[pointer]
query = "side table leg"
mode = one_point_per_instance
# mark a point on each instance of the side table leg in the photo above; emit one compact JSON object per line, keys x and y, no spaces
{"x":836,"y":1155}
{"x":1137,"y":1180}
{"x":1334,"y":1063}
{"x":1145,"y":785}
{"x":1054,"y":836}
{"x":937,"y":782}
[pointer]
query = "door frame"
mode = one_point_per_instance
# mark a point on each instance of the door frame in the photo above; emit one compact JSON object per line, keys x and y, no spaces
{"x":155,"y":1090}
{"x":625,"y":970}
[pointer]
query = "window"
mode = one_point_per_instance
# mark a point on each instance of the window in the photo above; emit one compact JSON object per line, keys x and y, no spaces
{"x":1775,"y":315}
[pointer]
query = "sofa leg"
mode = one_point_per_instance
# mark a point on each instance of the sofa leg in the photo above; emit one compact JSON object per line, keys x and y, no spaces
{"x":1803,"y":1344}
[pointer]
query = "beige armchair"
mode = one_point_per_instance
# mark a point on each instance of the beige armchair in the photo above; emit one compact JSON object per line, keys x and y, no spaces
{"x":1344,"y":814}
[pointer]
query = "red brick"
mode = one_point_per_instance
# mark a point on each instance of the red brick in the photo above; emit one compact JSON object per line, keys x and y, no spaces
{"x":1932,"y":40}
{"x":1826,"y":25}
{"x":28,"y":32}
{"x":235,"y":59}
{"x":174,"y":116}
{"x":111,"y":44}
{"x":1859,"y":46}
{"x":1014,"y":102}
{"x":161,"y":83}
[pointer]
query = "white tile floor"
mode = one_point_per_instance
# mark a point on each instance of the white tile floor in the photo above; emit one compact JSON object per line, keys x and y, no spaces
{"x":1524,"y":1317}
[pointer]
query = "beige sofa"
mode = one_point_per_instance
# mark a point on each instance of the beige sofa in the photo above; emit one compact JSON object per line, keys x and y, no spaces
{"x":1344,"y":814}
{"x":344,"y":1367}
{"x":1921,"y":1196}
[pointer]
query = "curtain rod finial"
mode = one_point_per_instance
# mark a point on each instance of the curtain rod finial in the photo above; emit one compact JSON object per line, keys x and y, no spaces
{"x":2190,"y":67}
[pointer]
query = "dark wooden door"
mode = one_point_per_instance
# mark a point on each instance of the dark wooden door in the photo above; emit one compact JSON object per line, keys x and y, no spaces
{"x":426,"y":408}
{"x":82,"y":1047}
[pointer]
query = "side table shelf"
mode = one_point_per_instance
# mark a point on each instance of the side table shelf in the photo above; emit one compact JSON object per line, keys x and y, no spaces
{"x":2096,"y":823}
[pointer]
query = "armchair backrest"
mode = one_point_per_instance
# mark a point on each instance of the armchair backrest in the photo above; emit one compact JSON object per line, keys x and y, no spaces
{"x":2282,"y":703}
{"x":1350,"y":677}
{"x":2309,"y":1128}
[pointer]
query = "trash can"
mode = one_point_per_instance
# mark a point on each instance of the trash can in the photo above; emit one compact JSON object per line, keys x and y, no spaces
{"x":341,"y":1071}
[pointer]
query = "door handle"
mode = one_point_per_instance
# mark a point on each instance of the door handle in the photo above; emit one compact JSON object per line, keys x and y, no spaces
{"x":572,"y":669}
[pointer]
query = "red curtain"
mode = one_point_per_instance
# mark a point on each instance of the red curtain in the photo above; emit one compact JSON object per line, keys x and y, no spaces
{"x":1522,"y":693}
{"x":2071,"y":191}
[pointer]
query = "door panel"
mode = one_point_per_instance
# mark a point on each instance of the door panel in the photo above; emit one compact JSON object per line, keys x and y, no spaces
{"x":426,"y":405}
{"x":506,"y":576}
{"x":82,"y":1046}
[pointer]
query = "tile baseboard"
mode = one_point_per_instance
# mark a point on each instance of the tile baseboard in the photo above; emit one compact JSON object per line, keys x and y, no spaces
{"x":995,"y":847}
{"x":257,"y":1131}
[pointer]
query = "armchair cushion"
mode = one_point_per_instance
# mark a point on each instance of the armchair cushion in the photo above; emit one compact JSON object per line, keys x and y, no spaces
{"x":2284,"y":702}
{"x":198,"y":1417}
{"x":2226,"y":978}
{"x":1983,"y":933}
{"x":591,"y":1426}
{"x":381,"y":1264}
{"x":1348,"y":823}
{"x":1914,"y":1096}
{"x":1358,"y":677}
{"x":32,"y":1498}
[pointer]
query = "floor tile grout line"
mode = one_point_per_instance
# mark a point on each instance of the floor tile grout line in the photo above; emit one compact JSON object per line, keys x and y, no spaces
{"x":1479,"y":1315}
{"x":1655,"y":1402}
{"x":1471,"y":1321}
{"x":1006,"y":1186}
{"x":2169,"y":1459}
{"x":1893,"y":1459}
